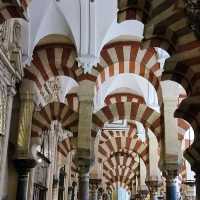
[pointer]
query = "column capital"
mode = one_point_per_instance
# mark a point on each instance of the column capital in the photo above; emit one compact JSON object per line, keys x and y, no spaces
{"x":142,"y":193}
{"x":153,"y":186}
{"x":171,"y":175}
{"x":70,"y":188}
{"x":11,"y":91}
{"x":74,"y":184}
{"x":84,"y":164}
{"x":94,"y":183}
{"x":55,"y":182}
{"x":87,"y":62}
{"x":23,"y":166}
{"x":154,"y":183}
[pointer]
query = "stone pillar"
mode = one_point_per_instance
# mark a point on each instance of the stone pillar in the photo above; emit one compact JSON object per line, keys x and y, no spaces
{"x":197,"y":182}
{"x":24,"y":160}
{"x":171,"y":185}
{"x":99,"y":194}
{"x":23,"y":167}
{"x":84,"y":154}
{"x":70,"y":193}
{"x":142,"y":188}
{"x":153,"y":186}
{"x":55,"y":188}
{"x":172,"y":153}
{"x":74,"y":186}
{"x":133,"y":191}
{"x":9,"y":95}
{"x":84,"y":184}
{"x":171,"y":148}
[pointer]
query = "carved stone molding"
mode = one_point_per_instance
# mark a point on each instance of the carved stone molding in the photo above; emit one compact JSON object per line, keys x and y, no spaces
{"x":10,"y":48}
{"x":87,"y":62}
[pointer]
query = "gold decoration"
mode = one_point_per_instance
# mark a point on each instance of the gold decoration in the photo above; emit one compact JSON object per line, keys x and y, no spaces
{"x":25,"y":122}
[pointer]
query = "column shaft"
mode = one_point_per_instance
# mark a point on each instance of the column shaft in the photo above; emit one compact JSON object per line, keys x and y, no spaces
{"x":22,"y":187}
{"x":23,"y":167}
{"x":10,"y":95}
{"x":69,"y":193}
{"x":171,"y":189}
{"x":55,"y":189}
{"x":84,"y":186}
{"x":197,"y":186}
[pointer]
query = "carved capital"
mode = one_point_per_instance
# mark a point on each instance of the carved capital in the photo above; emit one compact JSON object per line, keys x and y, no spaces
{"x":94,"y":184}
{"x":153,"y":186}
{"x":87,"y":62}
{"x":23,"y":166}
{"x":170,"y":175}
{"x":10,"y":37}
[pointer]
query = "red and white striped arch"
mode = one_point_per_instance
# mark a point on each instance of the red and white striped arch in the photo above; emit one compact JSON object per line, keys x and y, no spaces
{"x":25,"y":3}
{"x":121,"y":52}
{"x":130,"y":111}
{"x":123,"y":145}
{"x":51,"y":61}
{"x":122,"y":178}
{"x":189,"y":110}
{"x":123,"y":182}
{"x":12,"y":9}
{"x":133,"y":10}
{"x":114,"y":185}
{"x":183,"y":172}
{"x":72,"y":101}
{"x":120,"y":164}
{"x":169,"y":20}
{"x":127,"y":57}
{"x":183,"y":66}
{"x":108,"y":134}
{"x":123,"y":97}
{"x":121,"y":160}
{"x":54,"y":111}
{"x":65,"y":147}
{"x":183,"y":125}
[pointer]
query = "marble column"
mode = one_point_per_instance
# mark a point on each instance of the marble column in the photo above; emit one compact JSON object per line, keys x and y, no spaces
{"x":55,"y":188}
{"x":10,"y":95}
{"x":171,"y":150}
{"x":99,"y":194}
{"x":24,"y":160}
{"x":69,"y":193}
{"x":133,"y":191}
{"x":197,"y":182}
{"x":84,"y":185}
{"x":23,"y":167}
{"x":84,"y":142}
{"x":74,"y":186}
{"x":171,"y":185}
